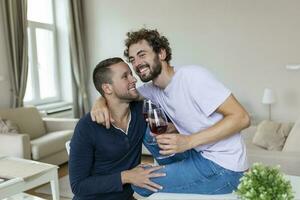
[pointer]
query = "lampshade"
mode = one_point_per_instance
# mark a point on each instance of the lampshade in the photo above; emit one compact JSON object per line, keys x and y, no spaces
{"x":268,"y":97}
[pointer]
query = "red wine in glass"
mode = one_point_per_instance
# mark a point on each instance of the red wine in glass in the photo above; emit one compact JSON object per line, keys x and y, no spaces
{"x":147,"y":106}
{"x":160,"y":129}
{"x":158,"y":125}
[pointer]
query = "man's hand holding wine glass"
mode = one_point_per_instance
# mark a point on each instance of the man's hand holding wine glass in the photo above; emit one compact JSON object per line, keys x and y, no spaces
{"x":171,"y":143}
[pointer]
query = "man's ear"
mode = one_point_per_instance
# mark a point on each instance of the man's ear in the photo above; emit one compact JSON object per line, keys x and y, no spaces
{"x":107,"y":88}
{"x":162,"y":55}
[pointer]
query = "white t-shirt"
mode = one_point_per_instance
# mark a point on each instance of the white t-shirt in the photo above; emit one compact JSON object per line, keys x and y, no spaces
{"x":190,"y":101}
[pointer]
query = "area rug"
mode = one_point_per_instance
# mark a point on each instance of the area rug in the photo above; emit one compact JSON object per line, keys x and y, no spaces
{"x":64,"y":188}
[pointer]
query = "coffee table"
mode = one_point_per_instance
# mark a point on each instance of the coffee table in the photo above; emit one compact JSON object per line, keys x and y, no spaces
{"x":21,"y":175}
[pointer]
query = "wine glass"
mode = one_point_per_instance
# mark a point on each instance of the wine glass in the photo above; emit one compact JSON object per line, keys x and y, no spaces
{"x":147,"y":106}
{"x":158,"y":125}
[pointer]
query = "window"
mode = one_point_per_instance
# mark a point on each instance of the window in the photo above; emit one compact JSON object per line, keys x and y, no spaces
{"x":43,"y":74}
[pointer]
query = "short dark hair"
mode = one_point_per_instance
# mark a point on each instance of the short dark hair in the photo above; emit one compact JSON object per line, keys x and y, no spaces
{"x":155,"y":40}
{"x":102,"y":73}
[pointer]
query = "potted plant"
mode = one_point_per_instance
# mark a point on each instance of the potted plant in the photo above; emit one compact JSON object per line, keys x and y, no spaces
{"x":264,"y":183}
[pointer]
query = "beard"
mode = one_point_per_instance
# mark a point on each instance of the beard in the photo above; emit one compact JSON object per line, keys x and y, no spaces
{"x":127,"y":97}
{"x":154,"y":71}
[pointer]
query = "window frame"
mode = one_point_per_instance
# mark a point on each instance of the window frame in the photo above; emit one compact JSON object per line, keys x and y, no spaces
{"x":32,"y":26}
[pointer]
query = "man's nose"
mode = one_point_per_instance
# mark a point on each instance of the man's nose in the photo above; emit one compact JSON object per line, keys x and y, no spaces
{"x":137,"y":63}
{"x":133,"y":79}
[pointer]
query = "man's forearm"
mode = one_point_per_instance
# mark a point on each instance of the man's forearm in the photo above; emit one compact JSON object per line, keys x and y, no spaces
{"x":225,"y":128}
{"x":99,"y":184}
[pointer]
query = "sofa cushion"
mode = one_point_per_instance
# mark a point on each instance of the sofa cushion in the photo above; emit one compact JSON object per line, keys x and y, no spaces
{"x":28,"y":120}
{"x":271,"y":135}
{"x":50,"y":143}
{"x":292,"y":142}
{"x":8,"y":126}
{"x":248,"y":133}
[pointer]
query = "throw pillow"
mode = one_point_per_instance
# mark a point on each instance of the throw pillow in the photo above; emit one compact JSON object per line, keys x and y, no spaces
{"x":292,"y":142}
{"x":271,"y":135}
{"x":7,"y":126}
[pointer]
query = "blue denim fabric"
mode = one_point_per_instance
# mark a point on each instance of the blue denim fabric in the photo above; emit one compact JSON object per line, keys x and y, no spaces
{"x":154,"y":150}
{"x":190,"y":172}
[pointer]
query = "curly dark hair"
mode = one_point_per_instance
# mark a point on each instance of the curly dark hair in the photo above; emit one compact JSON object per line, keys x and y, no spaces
{"x":155,"y":40}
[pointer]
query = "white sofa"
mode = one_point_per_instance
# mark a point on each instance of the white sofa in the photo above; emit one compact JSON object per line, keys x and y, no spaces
{"x":40,"y":139}
{"x":288,"y":158}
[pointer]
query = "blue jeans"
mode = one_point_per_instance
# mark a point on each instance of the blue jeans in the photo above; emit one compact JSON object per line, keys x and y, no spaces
{"x":190,"y":172}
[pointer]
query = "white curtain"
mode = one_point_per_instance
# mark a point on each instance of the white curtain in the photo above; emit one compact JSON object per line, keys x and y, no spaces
{"x":15,"y":27}
{"x":78,"y":58}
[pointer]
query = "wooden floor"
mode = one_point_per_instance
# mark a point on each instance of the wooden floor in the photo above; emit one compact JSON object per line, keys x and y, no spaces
{"x":63,"y":171}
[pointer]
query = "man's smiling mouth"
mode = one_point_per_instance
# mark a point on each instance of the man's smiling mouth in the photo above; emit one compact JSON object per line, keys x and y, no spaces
{"x":143,"y":69}
{"x":132,"y":88}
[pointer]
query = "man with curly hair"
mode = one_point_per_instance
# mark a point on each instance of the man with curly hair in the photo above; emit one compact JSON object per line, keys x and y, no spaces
{"x":208,"y":117}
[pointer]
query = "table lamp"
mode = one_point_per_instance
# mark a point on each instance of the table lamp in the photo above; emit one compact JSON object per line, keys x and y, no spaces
{"x":269,"y":99}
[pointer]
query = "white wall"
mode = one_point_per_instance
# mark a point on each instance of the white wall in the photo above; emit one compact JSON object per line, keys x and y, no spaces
{"x":4,"y":80}
{"x":246,"y":44}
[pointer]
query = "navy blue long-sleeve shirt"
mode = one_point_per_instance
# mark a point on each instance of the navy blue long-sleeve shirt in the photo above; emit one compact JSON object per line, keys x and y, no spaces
{"x":99,"y":155}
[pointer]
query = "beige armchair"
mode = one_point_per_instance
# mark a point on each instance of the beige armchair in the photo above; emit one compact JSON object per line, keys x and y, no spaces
{"x":40,"y":139}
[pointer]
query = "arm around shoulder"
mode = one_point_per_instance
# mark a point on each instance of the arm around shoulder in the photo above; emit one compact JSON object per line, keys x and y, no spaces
{"x":101,"y":114}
